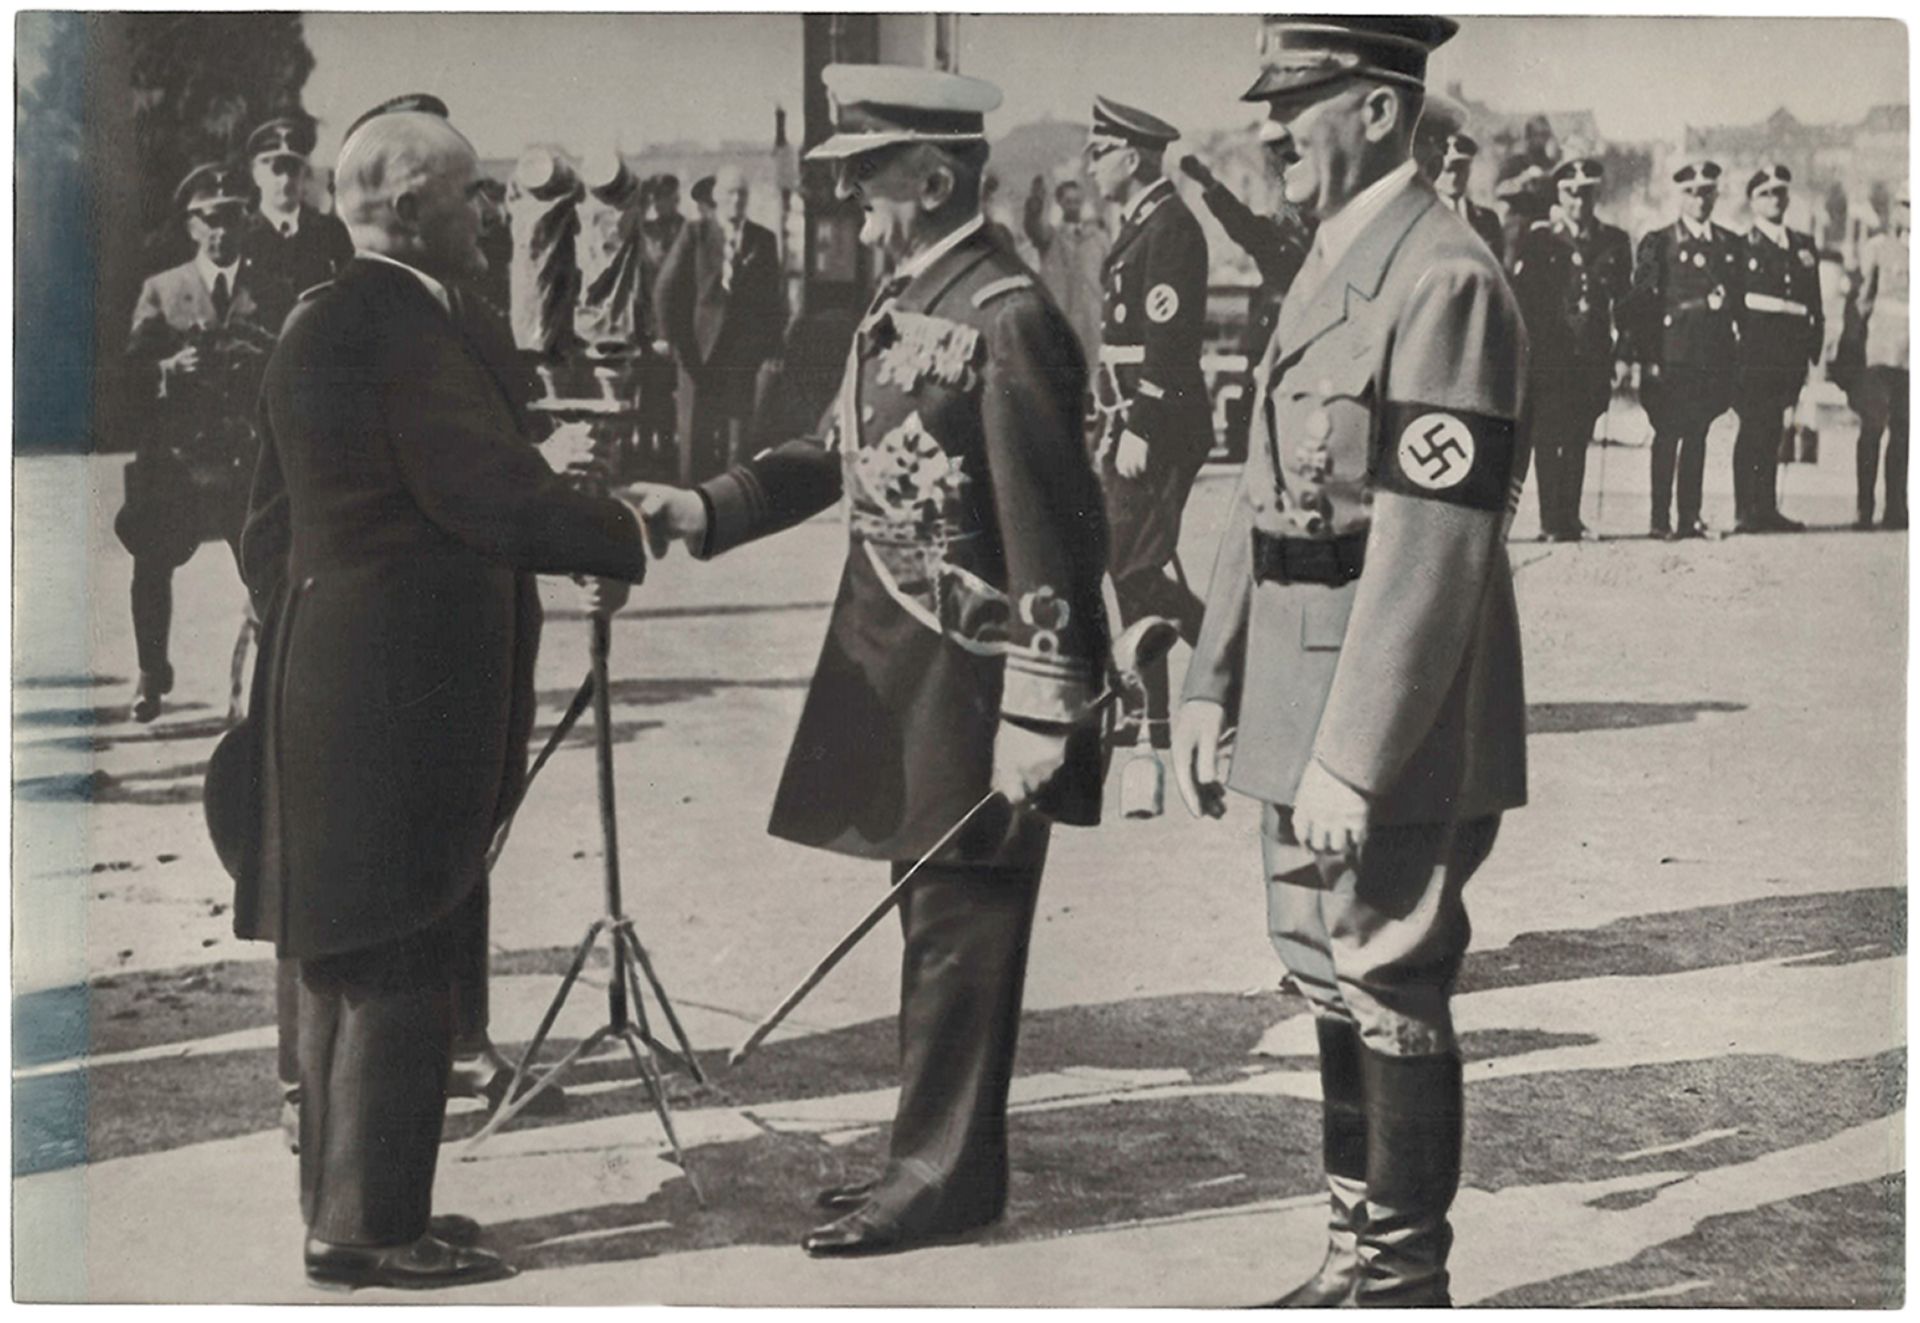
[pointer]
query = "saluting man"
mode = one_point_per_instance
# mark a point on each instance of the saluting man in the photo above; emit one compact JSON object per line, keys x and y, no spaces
{"x":289,"y":238}
{"x":1569,"y":275}
{"x":1361,"y":632}
{"x":1155,"y":425}
{"x":1781,"y":336}
{"x":1688,"y":287}
{"x":967,"y":643}
{"x":1455,"y":164}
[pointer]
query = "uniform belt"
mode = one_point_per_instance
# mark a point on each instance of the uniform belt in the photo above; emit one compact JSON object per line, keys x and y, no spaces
{"x":1697,"y":305}
{"x":1328,"y":561}
{"x":1123,"y":355}
{"x":1772,"y":303}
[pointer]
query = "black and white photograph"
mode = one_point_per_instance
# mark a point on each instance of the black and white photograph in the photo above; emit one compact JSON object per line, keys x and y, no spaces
{"x":828,"y":659}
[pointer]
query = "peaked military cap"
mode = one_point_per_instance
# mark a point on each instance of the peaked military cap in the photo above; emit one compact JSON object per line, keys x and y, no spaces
{"x":1113,"y":122}
{"x":1580,"y":174}
{"x":883,"y":105}
{"x":1769,"y":178}
{"x":1304,"y":53}
{"x":1458,"y":147}
{"x":1698,"y":176}
{"x":212,"y":186}
{"x":289,"y":135}
{"x":414,"y":103}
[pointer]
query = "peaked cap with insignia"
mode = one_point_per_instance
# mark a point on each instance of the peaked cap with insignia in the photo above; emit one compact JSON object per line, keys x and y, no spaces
{"x":884,"y":105}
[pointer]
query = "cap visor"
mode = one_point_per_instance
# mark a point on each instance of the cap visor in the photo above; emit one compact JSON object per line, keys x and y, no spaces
{"x":842,"y":146}
{"x":1284,"y":85}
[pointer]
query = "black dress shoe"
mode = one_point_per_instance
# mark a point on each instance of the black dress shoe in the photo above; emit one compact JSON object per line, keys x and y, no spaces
{"x":845,"y":1198}
{"x":1660,"y":533}
{"x":1693,"y":528}
{"x":1779,"y":523}
{"x":1332,"y":1286}
{"x":454,"y":1228}
{"x":423,"y":1265}
{"x":864,"y":1232}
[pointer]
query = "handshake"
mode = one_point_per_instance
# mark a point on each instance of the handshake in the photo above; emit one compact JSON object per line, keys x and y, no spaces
{"x":666,"y":514}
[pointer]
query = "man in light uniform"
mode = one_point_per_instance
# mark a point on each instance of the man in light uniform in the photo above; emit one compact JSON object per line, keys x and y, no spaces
{"x":1361,"y":632}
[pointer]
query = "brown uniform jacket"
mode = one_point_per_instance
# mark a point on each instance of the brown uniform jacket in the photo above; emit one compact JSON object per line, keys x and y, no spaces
{"x":1386,"y":411}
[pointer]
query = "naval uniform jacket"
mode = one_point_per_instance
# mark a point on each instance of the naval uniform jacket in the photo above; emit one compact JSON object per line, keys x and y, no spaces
{"x":313,"y":254}
{"x":1782,"y":331}
{"x":1569,"y":286}
{"x":398,"y":517}
{"x":1385,"y":424}
{"x":971,"y":592}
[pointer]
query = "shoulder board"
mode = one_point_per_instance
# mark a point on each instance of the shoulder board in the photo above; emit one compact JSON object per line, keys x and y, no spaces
{"x":314,"y":292}
{"x":1542,"y":224}
{"x":993,"y":289}
{"x":1150,"y":206}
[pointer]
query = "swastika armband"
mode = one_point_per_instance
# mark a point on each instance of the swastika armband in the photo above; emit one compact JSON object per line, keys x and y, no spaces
{"x":1447,"y":455}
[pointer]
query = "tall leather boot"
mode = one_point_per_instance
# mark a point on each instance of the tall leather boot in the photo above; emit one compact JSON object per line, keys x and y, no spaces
{"x":1414,"y":1133}
{"x":1343,"y":1146}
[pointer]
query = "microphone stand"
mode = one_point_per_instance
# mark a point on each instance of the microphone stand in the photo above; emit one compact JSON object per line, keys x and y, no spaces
{"x":632,"y":975}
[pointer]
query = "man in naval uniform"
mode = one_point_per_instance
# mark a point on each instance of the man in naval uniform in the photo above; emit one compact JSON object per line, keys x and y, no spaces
{"x":290,"y":239}
{"x":1781,"y":336}
{"x":1452,"y":167}
{"x":1684,"y":312}
{"x":1156,"y":426}
{"x":967,"y":643}
{"x":1569,"y":274}
{"x":1361,"y":633}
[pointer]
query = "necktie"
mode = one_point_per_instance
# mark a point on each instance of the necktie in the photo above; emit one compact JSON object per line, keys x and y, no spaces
{"x":222,"y":297}
{"x":286,"y":229}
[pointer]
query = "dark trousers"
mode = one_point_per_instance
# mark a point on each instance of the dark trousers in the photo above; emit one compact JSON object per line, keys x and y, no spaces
{"x":1567,"y":399}
{"x":1762,"y":401}
{"x":467,"y":987}
{"x":1154,"y":593}
{"x":967,"y":928}
{"x":1682,"y":404}
{"x":715,"y":409}
{"x":376,"y":1040}
{"x":1883,"y":408}
{"x":151,"y":597}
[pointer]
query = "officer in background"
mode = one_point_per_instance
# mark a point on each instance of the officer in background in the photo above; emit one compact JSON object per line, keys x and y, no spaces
{"x":201,"y":334}
{"x":1884,"y":280}
{"x":1570,"y":275}
{"x":1689,"y":283}
{"x":1155,"y":424}
{"x":1361,"y":632}
{"x":1277,"y":244}
{"x":1781,"y":335}
{"x":289,"y":239}
{"x":1450,"y":172}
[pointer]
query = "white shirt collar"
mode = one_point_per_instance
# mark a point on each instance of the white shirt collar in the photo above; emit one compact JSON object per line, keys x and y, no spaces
{"x":1698,"y":229}
{"x":434,"y":287}
{"x":1139,"y":200}
{"x":1339,"y":230}
{"x":926,"y":257}
{"x":284,"y":223}
{"x":1773,"y":230}
{"x":208,"y":272}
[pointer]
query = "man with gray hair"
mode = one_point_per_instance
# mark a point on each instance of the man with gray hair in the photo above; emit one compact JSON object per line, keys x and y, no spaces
{"x":398,"y":517}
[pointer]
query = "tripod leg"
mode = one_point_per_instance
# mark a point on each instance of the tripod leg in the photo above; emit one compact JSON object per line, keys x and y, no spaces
{"x":500,"y":1118}
{"x":686,"y":1058}
{"x":524,"y":1068}
{"x":650,"y":1072}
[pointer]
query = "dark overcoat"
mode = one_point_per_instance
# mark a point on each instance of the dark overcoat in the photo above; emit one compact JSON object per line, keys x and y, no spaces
{"x":398,"y":517}
{"x":971,"y":593}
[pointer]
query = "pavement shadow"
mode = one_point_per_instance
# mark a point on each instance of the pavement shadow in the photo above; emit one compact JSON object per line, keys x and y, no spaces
{"x":1578,"y":718}
{"x":179,"y":784}
{"x":711,"y":610}
{"x":659,"y":690}
{"x":68,"y":681}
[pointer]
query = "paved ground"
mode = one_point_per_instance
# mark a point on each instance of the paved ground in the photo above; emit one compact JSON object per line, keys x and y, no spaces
{"x":1683,"y":1013}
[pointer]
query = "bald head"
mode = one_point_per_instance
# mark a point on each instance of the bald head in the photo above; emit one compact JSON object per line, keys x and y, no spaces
{"x":730,"y":194}
{"x":408,"y":187}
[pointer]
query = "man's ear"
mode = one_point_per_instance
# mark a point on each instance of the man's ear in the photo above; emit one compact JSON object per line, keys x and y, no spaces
{"x":936,"y":189}
{"x":406,"y":210}
{"x":1383,"y":111}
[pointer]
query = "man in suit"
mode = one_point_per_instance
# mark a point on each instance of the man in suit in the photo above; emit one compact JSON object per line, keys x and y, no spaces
{"x":1451,"y":168}
{"x":1362,"y":634}
{"x":201,"y":332}
{"x":1073,"y":256}
{"x":968,"y":642}
{"x":1781,"y":335}
{"x":1156,"y":424}
{"x":722,"y":305}
{"x":1884,"y":279}
{"x":1569,"y":276}
{"x":398,"y":516}
{"x":1689,"y":282}
{"x":289,"y":239}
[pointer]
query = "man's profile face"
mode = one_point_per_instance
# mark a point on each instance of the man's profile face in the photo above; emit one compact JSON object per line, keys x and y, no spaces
{"x":1310,"y":142}
{"x":1451,"y":182}
{"x":887,"y":191}
{"x":733,"y":200}
{"x":282,"y":180}
{"x":449,"y":207}
{"x":1111,"y":165}
{"x":1696,"y":204}
{"x":216,"y":233}
{"x":1770,"y":205}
